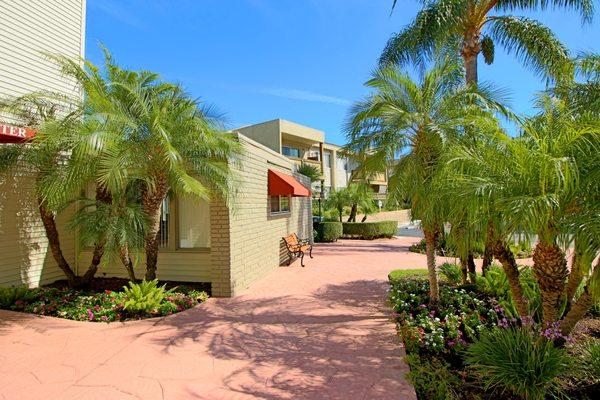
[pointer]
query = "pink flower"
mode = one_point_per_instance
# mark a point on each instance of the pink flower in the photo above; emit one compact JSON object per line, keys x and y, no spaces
{"x":90,"y":314}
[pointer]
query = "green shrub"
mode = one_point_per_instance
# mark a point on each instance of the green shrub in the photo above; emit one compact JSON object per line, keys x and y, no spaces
{"x":144,"y":297}
{"x":9,"y":295}
{"x":370,"y":230}
{"x":399,"y":274}
{"x":452,"y":273}
{"x":518,"y":361}
{"x":495,"y":284}
{"x":328,"y":231}
{"x":432,"y":378}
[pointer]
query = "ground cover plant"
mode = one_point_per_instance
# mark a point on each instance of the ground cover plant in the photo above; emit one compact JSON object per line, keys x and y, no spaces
{"x":145,"y":299}
{"x":472,"y":345}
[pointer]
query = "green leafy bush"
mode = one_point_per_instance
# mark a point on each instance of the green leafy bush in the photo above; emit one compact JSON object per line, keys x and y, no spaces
{"x":452,"y":273}
{"x":495,"y":284}
{"x":9,"y":295}
{"x":399,"y":274}
{"x":144,"y":297}
{"x":328,"y":231}
{"x":311,"y":171}
{"x":519,"y":361}
{"x":370,"y":230}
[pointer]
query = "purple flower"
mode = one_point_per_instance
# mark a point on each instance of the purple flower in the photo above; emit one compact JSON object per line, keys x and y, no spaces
{"x":90,"y":314}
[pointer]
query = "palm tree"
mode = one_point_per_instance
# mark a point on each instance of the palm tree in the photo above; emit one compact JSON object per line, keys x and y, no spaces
{"x":57,"y":122}
{"x":310,"y":171}
{"x":337,"y":200}
{"x":472,"y":27}
{"x":152,"y":135}
{"x":545,"y":182}
{"x":360,"y":197}
{"x":414,"y":120}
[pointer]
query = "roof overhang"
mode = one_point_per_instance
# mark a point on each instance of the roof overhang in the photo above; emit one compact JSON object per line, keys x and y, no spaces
{"x":281,"y":184}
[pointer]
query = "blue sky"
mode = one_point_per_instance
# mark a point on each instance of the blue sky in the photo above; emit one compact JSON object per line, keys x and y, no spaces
{"x":302,"y":60}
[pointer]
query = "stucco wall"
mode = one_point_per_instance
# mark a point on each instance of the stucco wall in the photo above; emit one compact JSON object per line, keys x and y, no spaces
{"x":255,"y":236}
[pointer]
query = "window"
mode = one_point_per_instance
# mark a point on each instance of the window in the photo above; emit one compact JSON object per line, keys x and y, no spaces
{"x":165,"y":217}
{"x":314,"y":155}
{"x":184,"y":223}
{"x":280,"y":204}
{"x":193,"y":218}
{"x":290,"y":151}
{"x":327,"y":160}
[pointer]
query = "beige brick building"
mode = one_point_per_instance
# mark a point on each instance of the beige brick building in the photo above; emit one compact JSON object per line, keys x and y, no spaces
{"x":232,"y":246}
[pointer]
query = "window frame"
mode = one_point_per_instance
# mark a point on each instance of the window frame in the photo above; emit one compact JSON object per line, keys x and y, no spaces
{"x":295,"y":149}
{"x":173,"y":238}
{"x":279,"y":211}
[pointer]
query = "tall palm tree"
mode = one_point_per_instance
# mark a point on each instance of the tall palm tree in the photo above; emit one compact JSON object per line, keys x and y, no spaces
{"x":545,"y":182}
{"x":414,"y":119}
{"x":152,"y":135}
{"x":472,"y":27}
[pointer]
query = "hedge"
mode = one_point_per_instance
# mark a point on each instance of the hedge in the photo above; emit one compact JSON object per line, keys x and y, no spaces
{"x":328,"y":231}
{"x":370,"y":230}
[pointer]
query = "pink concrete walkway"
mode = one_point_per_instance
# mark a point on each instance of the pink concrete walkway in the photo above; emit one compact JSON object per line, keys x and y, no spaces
{"x":320,"y":332}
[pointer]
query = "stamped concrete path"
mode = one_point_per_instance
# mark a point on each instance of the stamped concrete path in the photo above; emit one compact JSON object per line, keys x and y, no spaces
{"x":320,"y":332}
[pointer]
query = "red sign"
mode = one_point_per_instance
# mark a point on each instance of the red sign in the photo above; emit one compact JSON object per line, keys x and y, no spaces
{"x":15,"y":134}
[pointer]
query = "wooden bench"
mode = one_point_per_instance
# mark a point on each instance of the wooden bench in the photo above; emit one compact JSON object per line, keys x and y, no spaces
{"x":297,"y":247}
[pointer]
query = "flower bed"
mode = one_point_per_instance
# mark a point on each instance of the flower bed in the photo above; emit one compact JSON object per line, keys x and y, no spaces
{"x":468,"y":346}
{"x":102,"y":305}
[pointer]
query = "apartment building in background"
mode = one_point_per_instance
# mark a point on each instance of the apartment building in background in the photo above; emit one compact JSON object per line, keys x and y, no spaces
{"x":303,"y":144}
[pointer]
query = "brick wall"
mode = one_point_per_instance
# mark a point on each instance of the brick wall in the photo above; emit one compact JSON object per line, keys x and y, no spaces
{"x":255,"y":246}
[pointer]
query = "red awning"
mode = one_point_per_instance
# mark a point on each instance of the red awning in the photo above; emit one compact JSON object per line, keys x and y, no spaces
{"x":281,"y":184}
{"x":15,"y":134}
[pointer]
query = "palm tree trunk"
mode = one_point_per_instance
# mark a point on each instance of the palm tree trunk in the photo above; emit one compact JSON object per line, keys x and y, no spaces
{"x":487,"y":261}
{"x":575,"y":276}
{"x":94,"y":263}
{"x":127,"y":263}
{"x":353,"y":210}
{"x":502,"y":252}
{"x":54,"y":244}
{"x":488,"y":252}
{"x":472,"y":268}
{"x":471,"y":47}
{"x":152,"y":206}
{"x":581,"y":306}
{"x":550,"y":268}
{"x":430,"y":240}
{"x":464,"y":269}
{"x":577,"y":311}
{"x":104,"y":196}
